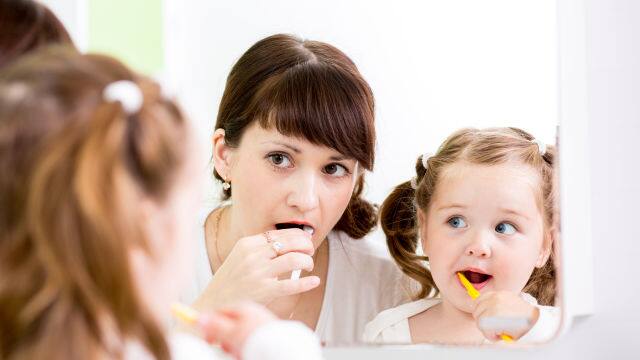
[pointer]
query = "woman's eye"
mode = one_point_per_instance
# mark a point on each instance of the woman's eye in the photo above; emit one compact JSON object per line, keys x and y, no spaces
{"x":280,"y":160}
{"x":335,"y":170}
{"x":457,"y":222}
{"x":505,"y":228}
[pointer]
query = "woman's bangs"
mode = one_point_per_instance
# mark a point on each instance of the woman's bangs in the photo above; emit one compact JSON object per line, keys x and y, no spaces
{"x":324,"y":105}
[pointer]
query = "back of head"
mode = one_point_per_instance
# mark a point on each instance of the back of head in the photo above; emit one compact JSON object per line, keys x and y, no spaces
{"x":26,"y":25}
{"x":72,"y":165}
{"x":490,"y":146}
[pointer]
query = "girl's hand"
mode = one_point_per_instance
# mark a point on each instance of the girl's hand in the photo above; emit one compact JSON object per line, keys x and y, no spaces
{"x":251,"y":270}
{"x":230,"y":327}
{"x":504,"y":304}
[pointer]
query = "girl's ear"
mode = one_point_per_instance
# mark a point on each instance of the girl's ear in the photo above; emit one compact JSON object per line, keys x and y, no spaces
{"x":547,"y":246}
{"x":422,"y":231}
{"x":222,"y":155}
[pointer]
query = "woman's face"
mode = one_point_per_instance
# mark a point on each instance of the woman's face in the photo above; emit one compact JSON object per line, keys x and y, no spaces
{"x":280,"y":179}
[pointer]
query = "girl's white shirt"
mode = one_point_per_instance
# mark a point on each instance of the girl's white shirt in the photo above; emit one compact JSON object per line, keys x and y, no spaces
{"x":392,"y":325}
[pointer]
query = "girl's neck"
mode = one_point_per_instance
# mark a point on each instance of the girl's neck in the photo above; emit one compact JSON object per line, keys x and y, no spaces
{"x":444,"y":323}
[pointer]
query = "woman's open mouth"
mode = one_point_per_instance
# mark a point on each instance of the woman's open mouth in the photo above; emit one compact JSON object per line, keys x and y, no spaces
{"x":306,"y":228}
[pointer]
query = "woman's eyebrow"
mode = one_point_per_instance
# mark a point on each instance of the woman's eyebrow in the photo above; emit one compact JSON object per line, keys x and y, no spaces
{"x":339,"y":157}
{"x":291,"y":147}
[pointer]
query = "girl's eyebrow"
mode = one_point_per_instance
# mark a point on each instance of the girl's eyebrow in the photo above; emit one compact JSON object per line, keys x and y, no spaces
{"x":451,"y":206}
{"x":514,"y":212}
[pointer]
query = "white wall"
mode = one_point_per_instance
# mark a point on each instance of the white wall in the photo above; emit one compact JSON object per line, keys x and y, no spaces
{"x":73,"y":14}
{"x":435,"y":66}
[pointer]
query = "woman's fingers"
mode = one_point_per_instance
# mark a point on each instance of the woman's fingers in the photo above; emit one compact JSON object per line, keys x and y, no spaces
{"x":292,"y":287}
{"x":290,"y":240}
{"x":290,"y":261}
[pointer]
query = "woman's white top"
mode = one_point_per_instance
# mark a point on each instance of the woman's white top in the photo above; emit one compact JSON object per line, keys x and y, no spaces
{"x":392,"y":326}
{"x":362,"y":280}
{"x":273,"y":341}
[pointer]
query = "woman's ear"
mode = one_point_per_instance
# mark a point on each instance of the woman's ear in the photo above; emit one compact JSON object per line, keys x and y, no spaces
{"x":221,"y":154}
{"x":547,"y":246}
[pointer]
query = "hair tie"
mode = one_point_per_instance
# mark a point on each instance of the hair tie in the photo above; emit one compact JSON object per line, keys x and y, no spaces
{"x":542,"y":147}
{"x":414,"y":183}
{"x":425,"y":159}
{"x":127,"y":93}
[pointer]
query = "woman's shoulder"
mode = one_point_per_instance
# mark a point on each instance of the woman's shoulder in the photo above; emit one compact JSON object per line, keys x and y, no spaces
{"x":366,"y":258}
{"x":392,"y":325}
{"x":371,"y":248}
{"x":364,"y":266}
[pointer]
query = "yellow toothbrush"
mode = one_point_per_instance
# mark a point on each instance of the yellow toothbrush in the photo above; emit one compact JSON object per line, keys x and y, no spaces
{"x":185,"y":313}
{"x":474,"y":293}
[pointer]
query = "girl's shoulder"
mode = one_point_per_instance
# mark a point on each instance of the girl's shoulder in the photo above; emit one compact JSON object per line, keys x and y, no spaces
{"x":392,"y":325}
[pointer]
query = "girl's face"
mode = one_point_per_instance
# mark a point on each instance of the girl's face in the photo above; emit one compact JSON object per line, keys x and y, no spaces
{"x":172,"y":228}
{"x":486,"y":222}
{"x":278,"y":179}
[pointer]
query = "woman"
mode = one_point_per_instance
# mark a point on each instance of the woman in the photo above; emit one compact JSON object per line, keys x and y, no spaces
{"x":294,"y":135}
{"x":97,"y":189}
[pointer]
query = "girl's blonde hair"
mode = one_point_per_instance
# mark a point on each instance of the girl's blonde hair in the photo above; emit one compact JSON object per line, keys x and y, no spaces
{"x":72,"y":165}
{"x":486,"y":147}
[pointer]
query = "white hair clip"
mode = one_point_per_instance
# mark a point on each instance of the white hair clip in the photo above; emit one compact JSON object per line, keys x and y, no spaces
{"x":542,"y":147}
{"x":414,"y":183}
{"x":127,"y":93}
{"x":425,"y":159}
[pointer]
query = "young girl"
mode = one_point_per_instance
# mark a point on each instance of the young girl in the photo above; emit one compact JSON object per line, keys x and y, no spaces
{"x":98,"y":187}
{"x":483,"y":207}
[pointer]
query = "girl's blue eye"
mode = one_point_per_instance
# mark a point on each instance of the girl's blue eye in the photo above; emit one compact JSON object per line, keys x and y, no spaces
{"x":457,"y":222}
{"x":335,"y":170}
{"x":505,"y":228}
{"x":280,"y":160}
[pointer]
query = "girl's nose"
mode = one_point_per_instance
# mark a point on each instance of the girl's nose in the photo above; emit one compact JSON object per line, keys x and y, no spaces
{"x":480,"y":245}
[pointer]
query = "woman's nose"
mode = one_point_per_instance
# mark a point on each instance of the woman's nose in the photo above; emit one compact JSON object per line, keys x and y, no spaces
{"x":304,"y":192}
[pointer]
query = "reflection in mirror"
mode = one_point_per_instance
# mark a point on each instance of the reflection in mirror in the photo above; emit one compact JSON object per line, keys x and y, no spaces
{"x":464,"y":251}
{"x":467,"y":255}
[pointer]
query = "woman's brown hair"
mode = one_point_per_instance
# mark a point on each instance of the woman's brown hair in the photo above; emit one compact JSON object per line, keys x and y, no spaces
{"x":72,"y":165}
{"x":26,"y":25}
{"x":306,"y":89}
{"x":484,"y":147}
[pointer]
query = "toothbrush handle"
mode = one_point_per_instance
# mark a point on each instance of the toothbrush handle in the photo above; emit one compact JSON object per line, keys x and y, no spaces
{"x":506,"y":338}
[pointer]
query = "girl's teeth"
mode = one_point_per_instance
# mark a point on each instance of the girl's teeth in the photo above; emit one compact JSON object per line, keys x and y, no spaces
{"x":308,"y":229}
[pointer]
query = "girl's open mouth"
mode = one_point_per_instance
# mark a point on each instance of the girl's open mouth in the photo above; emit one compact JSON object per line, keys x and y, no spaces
{"x":476,"y":278}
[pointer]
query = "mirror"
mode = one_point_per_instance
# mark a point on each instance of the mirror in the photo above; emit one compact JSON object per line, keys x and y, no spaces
{"x":434,"y":67}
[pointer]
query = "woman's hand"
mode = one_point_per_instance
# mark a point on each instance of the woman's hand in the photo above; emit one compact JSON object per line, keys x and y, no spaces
{"x":251,"y":270}
{"x":504,"y":305}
